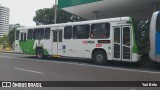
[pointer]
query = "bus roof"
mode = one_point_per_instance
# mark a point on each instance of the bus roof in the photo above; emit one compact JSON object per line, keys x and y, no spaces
{"x":79,"y":23}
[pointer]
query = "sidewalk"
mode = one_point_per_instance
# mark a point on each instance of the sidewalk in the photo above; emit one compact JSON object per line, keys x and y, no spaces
{"x":6,"y":50}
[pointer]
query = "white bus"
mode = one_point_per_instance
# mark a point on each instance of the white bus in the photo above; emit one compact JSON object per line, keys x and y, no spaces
{"x":154,"y":52}
{"x":98,"y":40}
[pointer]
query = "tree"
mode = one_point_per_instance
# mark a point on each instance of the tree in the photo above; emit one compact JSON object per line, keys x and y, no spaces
{"x":46,"y":16}
{"x":142,"y":35}
{"x":11,"y":37}
{"x":4,"y":41}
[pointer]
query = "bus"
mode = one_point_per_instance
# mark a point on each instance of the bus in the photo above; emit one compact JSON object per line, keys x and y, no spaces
{"x":97,"y":40}
{"x":154,"y":52}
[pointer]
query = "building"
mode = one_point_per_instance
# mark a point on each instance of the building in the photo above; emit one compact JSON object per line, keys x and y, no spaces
{"x":98,"y":9}
{"x":4,"y":20}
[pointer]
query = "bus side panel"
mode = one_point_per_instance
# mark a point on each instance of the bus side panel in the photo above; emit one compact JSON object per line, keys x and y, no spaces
{"x":28,"y":49}
{"x":158,"y":43}
{"x":158,"y":46}
{"x":47,"y":48}
{"x":152,"y":46}
{"x":83,"y":48}
{"x":152,"y":52}
{"x":44,"y":44}
{"x":17,"y":47}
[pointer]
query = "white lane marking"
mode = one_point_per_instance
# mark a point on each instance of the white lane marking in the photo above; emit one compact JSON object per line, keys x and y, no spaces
{"x":28,"y":70}
{"x":88,"y":65}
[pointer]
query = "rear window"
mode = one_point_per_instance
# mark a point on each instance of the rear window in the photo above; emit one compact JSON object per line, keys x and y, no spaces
{"x":17,"y":35}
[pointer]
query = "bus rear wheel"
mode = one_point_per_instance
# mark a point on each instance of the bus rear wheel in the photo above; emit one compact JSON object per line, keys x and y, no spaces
{"x":100,"y":57}
{"x":39,"y":53}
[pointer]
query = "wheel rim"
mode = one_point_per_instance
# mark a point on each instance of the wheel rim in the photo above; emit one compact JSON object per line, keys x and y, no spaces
{"x":99,"y":58}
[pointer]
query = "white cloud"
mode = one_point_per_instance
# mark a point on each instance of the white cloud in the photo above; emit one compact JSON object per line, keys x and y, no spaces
{"x":23,"y":11}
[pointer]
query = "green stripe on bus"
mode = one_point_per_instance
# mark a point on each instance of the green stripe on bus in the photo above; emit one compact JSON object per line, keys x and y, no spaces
{"x":69,"y":3}
{"x":27,"y":46}
{"x":135,"y":47}
{"x":45,"y":51}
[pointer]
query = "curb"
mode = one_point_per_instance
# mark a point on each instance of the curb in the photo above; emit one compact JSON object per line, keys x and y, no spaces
{"x":3,"y":51}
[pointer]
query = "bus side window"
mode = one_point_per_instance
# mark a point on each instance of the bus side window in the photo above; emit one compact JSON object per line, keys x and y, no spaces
{"x":22,"y":36}
{"x":68,"y":32}
{"x":17,"y":35}
{"x":38,"y":34}
{"x":25,"y":38}
{"x":60,"y":36}
{"x":47,"y":33}
{"x":55,"y":36}
{"x":81,"y":32}
{"x":100,"y":30}
{"x":30,"y":34}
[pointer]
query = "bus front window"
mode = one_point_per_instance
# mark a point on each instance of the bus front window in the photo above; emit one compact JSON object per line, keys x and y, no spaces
{"x":158,"y":23}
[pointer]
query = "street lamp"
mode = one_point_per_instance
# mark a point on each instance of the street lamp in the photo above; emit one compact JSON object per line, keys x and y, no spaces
{"x":55,"y":12}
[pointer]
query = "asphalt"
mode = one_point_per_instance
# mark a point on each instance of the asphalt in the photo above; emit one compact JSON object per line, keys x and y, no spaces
{"x":21,"y":67}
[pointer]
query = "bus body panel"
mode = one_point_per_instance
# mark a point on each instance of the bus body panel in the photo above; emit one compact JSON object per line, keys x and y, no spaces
{"x":30,"y":46}
{"x":17,"y":48}
{"x":158,"y":43}
{"x":152,"y":52}
{"x":44,"y":44}
{"x":158,"y":38}
{"x":135,"y":57}
{"x":155,"y":38}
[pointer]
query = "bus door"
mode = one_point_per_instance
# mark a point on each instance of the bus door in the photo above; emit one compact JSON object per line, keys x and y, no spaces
{"x":122,"y":43}
{"x":57,"y":43}
{"x":23,"y":41}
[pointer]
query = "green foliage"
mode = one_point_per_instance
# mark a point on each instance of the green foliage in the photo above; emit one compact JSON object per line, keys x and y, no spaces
{"x":11,"y":37}
{"x":8,"y":40}
{"x":46,"y":16}
{"x":4,"y":41}
{"x":142,"y":35}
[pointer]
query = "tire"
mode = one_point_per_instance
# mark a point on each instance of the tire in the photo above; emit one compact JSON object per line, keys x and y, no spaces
{"x":100,"y":58}
{"x":39,"y":54}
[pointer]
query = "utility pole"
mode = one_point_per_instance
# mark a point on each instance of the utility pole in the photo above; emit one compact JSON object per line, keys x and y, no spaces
{"x":55,"y":12}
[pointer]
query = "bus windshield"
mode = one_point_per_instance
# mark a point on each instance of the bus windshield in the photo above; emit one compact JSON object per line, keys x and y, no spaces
{"x":142,"y":35}
{"x":158,"y":23}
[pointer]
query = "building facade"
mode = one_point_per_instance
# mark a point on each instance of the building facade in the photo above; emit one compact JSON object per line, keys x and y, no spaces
{"x":99,"y":9}
{"x":4,"y":20}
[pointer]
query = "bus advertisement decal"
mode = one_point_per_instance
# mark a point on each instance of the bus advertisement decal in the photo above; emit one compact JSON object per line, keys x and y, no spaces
{"x":88,"y":42}
{"x":104,"y":41}
{"x":98,"y":45}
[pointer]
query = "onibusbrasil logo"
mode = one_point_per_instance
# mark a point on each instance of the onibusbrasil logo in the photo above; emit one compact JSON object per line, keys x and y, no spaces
{"x":20,"y":84}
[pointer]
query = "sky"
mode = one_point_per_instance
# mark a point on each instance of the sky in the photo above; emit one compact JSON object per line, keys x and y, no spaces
{"x":23,"y":11}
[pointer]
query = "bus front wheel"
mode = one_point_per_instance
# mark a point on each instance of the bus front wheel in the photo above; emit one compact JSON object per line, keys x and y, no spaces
{"x":100,"y":57}
{"x":39,"y":53}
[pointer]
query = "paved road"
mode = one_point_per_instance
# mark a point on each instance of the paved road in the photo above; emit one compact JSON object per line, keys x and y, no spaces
{"x":19,"y":67}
